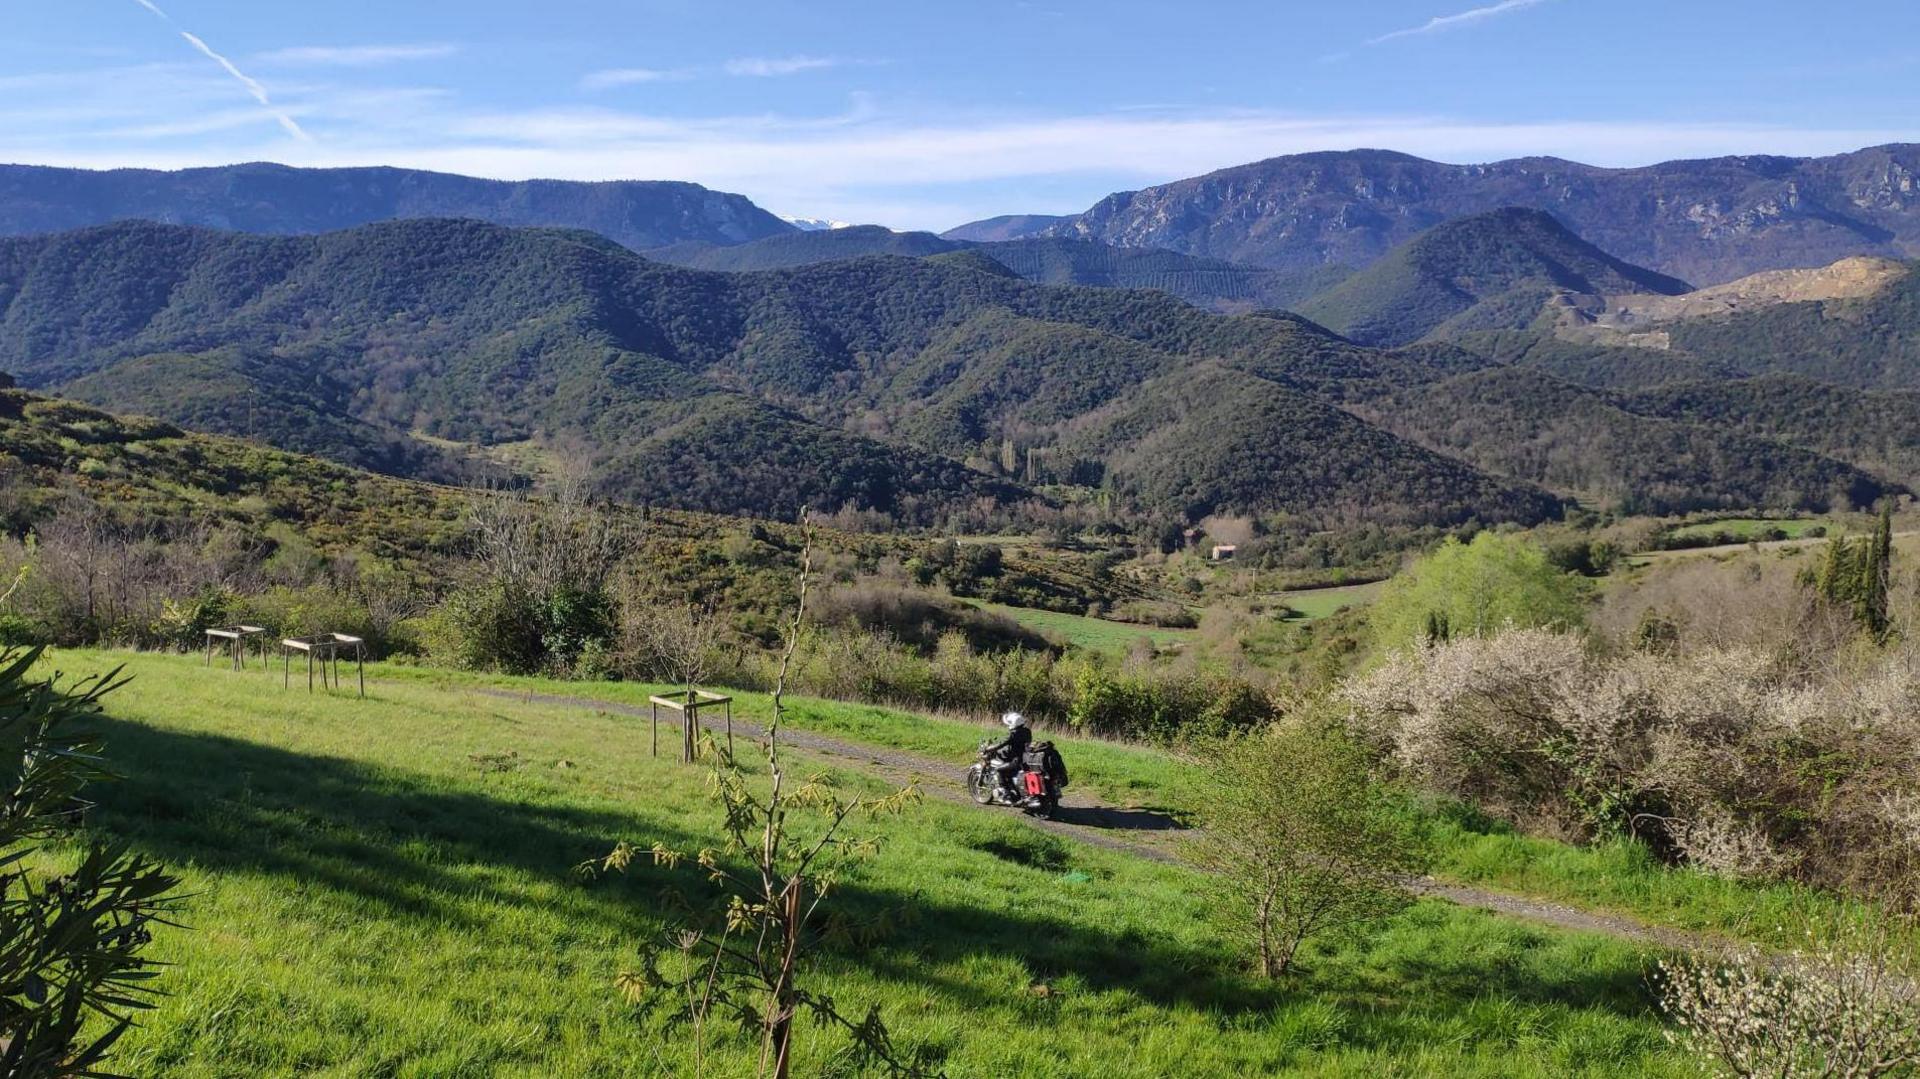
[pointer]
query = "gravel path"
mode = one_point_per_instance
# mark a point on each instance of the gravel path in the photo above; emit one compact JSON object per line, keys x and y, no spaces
{"x":1142,"y":833}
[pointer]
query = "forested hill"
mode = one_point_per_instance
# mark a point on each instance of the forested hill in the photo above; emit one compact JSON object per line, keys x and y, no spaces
{"x":1855,"y":324}
{"x":1208,"y":283}
{"x":804,"y":249}
{"x":932,"y":389}
{"x":860,"y":382}
{"x":1704,"y":221}
{"x":1005,"y":227}
{"x":279,"y":199}
{"x":1869,"y":342}
{"x":1496,"y":270}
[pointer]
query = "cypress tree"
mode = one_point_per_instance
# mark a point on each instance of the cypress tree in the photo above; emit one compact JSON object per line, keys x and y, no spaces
{"x":1876,"y":575}
{"x":1837,"y":579}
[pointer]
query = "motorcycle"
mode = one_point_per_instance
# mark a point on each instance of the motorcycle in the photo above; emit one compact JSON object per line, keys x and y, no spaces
{"x":1037,"y":783}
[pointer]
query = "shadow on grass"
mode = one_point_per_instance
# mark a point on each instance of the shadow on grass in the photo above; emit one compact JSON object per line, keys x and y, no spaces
{"x":1107,"y":818}
{"x":391,"y":838}
{"x":376,"y":834}
{"x":1158,"y":969}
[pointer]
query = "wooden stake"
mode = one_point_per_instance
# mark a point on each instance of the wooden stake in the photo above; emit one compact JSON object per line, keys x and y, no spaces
{"x":688,"y":717}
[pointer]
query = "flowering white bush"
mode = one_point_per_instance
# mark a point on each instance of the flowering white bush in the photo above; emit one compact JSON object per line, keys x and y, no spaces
{"x":1715,"y":841}
{"x":1849,"y":1009}
{"x":1740,"y":762}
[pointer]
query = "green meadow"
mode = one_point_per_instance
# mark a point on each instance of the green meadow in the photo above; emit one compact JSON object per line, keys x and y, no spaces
{"x":387,"y":887}
{"x":1744,"y":529}
{"x":1093,"y":634}
{"x":1315,"y":603}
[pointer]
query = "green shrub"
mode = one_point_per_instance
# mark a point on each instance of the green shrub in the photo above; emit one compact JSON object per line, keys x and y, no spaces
{"x":1474,"y":589}
{"x":73,"y":968}
{"x":488,"y":627}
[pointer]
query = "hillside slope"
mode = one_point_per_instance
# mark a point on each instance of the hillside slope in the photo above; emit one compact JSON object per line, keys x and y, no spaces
{"x":1868,"y":341}
{"x":1855,"y":323}
{"x":1004,"y":227}
{"x":1496,"y":270}
{"x":804,"y":249}
{"x":1879,"y":431}
{"x":750,"y":393}
{"x":270,"y":198}
{"x":1635,"y":455}
{"x":1706,"y":221}
{"x":153,"y":470}
{"x":1208,"y":283}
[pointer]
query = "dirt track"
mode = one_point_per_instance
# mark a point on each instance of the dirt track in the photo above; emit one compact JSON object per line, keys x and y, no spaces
{"x":1143,"y":833}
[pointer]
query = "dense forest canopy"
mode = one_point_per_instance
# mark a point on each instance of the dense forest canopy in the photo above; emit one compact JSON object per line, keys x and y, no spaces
{"x":922,"y":388}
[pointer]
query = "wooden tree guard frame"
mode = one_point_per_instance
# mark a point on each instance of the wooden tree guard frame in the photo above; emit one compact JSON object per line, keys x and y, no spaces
{"x":688,"y":705}
{"x":326,"y":648}
{"x":236,"y":638}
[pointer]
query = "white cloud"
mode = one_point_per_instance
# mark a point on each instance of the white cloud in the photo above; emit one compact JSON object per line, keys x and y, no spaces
{"x":765,"y":67}
{"x":915,"y":175}
{"x":356,"y":55}
{"x":614,"y":78}
{"x":865,"y":163}
{"x":1450,"y":22}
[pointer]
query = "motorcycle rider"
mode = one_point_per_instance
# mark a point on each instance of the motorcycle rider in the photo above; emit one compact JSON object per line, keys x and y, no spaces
{"x":1007,"y":753}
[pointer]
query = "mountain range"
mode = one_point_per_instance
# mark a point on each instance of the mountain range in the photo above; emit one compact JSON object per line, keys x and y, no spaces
{"x":866,"y":382}
{"x":277,"y":199}
{"x":1495,"y":270}
{"x":1488,"y":366}
{"x":1705,"y":221}
{"x":918,"y":387}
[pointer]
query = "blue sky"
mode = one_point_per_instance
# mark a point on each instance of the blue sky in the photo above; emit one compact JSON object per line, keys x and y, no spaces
{"x":923,"y":115}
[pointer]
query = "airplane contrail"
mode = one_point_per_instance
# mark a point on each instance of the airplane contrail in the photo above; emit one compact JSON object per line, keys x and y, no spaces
{"x":1440,"y":22}
{"x":253,"y":87}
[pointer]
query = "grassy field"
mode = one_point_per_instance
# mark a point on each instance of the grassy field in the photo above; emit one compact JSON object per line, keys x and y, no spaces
{"x":1748,"y":528}
{"x":1619,"y":877}
{"x":383,"y":887}
{"x":1316,"y":603}
{"x":1118,"y":773}
{"x":1093,"y":634}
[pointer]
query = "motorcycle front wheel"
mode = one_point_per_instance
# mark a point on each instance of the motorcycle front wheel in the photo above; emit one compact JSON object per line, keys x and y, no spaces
{"x":978,"y":786}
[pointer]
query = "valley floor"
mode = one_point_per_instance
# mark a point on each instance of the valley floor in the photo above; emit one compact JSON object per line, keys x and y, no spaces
{"x":386,"y":887}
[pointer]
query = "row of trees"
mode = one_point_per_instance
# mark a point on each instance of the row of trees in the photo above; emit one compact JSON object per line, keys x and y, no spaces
{"x":1857,"y":575}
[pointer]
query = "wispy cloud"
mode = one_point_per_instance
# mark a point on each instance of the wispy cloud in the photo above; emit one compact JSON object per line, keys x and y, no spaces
{"x":869,"y":161}
{"x":910,"y":173}
{"x":613,"y":78}
{"x":253,"y":87}
{"x":1464,"y":18}
{"x":769,"y":67}
{"x":357,"y":55}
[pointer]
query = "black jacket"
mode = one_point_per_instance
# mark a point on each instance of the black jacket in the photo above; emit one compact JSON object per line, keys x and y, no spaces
{"x":1013,"y":745}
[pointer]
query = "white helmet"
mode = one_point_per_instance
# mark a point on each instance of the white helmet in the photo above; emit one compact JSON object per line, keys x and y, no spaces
{"x":1013,"y":719}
